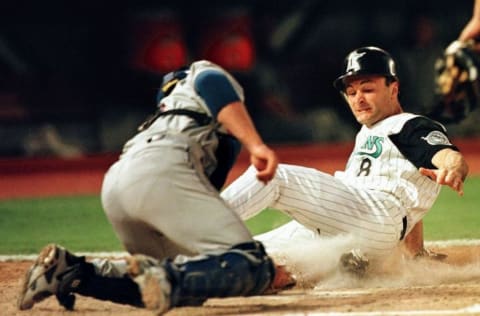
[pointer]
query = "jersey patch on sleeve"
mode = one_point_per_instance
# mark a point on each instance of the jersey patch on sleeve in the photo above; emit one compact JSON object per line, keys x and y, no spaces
{"x":420,"y":139}
{"x":437,"y":138}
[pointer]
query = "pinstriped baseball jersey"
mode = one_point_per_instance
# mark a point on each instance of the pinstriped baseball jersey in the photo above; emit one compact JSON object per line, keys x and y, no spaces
{"x":377,"y":163}
{"x":380,"y":186}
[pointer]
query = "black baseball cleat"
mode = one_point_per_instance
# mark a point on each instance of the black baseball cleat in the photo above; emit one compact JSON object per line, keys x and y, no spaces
{"x":55,"y":272}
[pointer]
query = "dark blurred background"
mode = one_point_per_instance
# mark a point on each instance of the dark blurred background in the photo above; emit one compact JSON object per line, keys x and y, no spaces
{"x":77,"y":77}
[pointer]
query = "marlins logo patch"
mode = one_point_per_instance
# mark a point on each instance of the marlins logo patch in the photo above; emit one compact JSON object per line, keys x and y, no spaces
{"x":437,"y":138}
{"x":373,"y":147}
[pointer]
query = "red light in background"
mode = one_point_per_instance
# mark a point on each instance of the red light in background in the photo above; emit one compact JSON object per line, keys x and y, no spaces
{"x":158,"y":44}
{"x":165,"y":54}
{"x":228,"y":42}
{"x":234,"y":52}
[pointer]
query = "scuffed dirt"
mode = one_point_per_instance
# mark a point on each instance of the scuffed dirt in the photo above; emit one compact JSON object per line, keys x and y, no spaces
{"x":424,"y":285}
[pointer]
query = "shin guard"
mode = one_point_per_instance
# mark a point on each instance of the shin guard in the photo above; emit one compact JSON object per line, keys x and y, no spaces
{"x":243,"y":270}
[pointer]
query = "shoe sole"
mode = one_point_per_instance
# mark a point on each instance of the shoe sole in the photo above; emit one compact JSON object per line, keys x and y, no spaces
{"x":48,"y":259}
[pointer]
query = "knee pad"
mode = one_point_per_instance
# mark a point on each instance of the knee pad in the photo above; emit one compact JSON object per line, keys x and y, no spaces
{"x":243,"y":270}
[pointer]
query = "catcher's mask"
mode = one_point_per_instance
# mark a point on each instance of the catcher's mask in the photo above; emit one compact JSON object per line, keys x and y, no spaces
{"x":457,"y":86}
{"x":169,"y":81}
{"x":367,"y":61}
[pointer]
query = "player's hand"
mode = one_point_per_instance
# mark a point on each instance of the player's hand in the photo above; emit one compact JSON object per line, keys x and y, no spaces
{"x":452,"y":178}
{"x":265,"y":161}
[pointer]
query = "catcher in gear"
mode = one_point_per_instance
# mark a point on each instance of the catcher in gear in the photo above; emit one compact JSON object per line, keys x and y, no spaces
{"x":162,"y":199}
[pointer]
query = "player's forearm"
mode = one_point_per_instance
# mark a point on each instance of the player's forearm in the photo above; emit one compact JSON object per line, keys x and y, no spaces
{"x":235,"y":118}
{"x":451,"y":160}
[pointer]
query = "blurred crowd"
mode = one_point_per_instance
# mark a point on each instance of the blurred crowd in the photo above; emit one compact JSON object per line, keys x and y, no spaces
{"x":78,"y":79}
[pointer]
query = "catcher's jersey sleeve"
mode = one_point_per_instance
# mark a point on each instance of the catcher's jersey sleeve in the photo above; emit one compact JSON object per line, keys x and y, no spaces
{"x":216,"y":89}
{"x":420,"y":139}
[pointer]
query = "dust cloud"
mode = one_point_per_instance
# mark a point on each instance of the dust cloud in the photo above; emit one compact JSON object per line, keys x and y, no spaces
{"x":315,"y":264}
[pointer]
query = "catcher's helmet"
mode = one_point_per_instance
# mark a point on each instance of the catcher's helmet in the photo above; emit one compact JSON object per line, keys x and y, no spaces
{"x":169,"y":81}
{"x":367,"y":61}
{"x":457,"y":82}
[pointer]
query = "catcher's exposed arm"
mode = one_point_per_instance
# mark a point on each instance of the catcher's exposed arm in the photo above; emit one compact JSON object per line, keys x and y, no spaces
{"x":236,"y":120}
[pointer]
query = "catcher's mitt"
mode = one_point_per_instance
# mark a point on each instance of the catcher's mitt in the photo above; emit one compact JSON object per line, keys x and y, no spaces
{"x":457,"y":82}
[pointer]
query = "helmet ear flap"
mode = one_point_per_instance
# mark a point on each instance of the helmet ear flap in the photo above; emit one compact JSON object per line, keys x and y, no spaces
{"x":169,"y":82}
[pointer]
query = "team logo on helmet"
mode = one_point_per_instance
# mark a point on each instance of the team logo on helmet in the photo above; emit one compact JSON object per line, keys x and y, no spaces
{"x":353,"y":64}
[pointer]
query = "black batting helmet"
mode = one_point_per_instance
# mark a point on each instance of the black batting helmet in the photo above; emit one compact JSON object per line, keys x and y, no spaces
{"x":367,"y":61}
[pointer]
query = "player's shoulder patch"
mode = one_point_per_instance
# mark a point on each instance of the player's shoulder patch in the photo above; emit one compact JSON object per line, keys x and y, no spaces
{"x":437,"y":138}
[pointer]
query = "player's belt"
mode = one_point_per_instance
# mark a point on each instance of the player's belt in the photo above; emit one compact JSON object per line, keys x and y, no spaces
{"x":404,"y":228}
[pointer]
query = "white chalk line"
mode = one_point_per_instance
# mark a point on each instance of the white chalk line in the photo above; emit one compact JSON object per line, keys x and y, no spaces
{"x":452,"y":242}
{"x":30,"y":257}
{"x":469,"y":310}
{"x":438,"y":243}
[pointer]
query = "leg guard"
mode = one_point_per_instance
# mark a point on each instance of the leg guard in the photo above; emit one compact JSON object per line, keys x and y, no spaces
{"x":243,"y":270}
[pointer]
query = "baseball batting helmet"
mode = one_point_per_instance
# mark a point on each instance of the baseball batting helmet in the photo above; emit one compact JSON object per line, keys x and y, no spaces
{"x":169,"y":81}
{"x":368,"y":60}
{"x":457,"y":82}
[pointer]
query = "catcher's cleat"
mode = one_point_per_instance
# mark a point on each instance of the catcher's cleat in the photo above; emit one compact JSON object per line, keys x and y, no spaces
{"x":55,"y":272}
{"x":152,"y":280}
{"x":354,"y":262}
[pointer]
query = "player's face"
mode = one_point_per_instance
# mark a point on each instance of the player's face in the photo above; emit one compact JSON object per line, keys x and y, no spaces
{"x":370,"y":99}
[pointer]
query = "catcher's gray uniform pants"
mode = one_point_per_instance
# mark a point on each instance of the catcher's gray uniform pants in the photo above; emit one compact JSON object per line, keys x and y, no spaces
{"x":161,"y":204}
{"x":323,"y":205}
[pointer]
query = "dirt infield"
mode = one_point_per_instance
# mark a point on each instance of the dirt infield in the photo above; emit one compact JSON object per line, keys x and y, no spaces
{"x":405,"y":287}
{"x":399,"y":287}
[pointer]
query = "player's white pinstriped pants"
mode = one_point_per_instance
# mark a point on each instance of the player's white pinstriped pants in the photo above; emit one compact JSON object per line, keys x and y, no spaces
{"x":322,"y":203}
